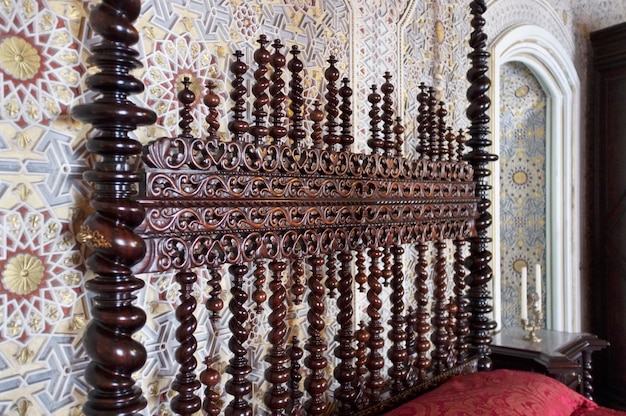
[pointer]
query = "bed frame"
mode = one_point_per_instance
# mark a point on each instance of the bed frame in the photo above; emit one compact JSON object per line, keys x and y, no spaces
{"x":299,"y":208}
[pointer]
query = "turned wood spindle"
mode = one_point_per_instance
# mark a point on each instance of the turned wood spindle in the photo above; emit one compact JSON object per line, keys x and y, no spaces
{"x":375,"y":361}
{"x":186,"y":402}
{"x":315,"y":383}
{"x":441,"y":131}
{"x":331,"y":275}
{"x":331,"y":74}
{"x":422,"y":363}
{"x":210,"y":377}
{"x":481,"y":325}
{"x":387,"y":89}
{"x":262,"y":57}
{"x":296,"y":132}
{"x":386,"y":272}
{"x":259,"y":296}
{"x":237,"y":126}
{"x":214,"y":303}
{"x":460,"y":148}
{"x":375,"y":143}
{"x":317,"y":134}
{"x":361,"y":276}
{"x":186,"y":97}
{"x":397,"y":353}
{"x":411,"y":344}
{"x":423,"y":143}
{"x":238,"y":367}
{"x":277,"y":88}
{"x":345,"y":372}
{"x":297,"y":288}
{"x":460,"y":299}
{"x":432,"y":125}
{"x":295,"y":355}
{"x":362,"y":338}
{"x":109,"y":230}
{"x":451,"y":356}
{"x":212,"y":101}
{"x":345,"y":92}
{"x":398,"y":131}
{"x":277,"y":397}
{"x":451,"y":140}
{"x":440,"y":312}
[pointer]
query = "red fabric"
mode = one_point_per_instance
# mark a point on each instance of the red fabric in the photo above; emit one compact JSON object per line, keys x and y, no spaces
{"x":500,"y":393}
{"x":597,"y":411}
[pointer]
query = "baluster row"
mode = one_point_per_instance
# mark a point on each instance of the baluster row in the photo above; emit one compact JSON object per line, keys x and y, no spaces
{"x":358,"y":353}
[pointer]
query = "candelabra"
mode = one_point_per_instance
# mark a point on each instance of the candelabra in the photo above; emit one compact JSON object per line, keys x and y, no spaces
{"x":533,"y":322}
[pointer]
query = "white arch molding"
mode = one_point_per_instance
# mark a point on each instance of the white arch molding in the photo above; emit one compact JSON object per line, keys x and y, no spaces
{"x":553,"y":67}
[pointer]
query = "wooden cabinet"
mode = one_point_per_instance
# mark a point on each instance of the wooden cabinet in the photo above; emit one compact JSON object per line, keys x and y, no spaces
{"x":562,"y":355}
{"x":607,"y":216}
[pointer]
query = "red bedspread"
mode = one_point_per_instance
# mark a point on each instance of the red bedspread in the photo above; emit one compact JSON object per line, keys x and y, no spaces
{"x":502,"y":393}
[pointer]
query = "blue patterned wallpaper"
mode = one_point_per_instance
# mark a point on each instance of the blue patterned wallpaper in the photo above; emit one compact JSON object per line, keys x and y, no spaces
{"x":522,"y":141}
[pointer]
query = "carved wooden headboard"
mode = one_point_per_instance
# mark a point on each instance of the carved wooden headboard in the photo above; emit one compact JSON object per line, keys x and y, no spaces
{"x":298,"y":207}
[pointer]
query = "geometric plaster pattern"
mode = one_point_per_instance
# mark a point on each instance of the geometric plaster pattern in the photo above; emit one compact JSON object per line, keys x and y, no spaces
{"x":522,"y":141}
{"x":42,"y":152}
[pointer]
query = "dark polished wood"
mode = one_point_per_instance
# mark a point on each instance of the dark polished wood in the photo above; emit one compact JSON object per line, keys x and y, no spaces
{"x":480,"y":324}
{"x":607,"y":217}
{"x":109,"y":231}
{"x":563,"y":355}
{"x":186,"y":402}
{"x":257,"y":199}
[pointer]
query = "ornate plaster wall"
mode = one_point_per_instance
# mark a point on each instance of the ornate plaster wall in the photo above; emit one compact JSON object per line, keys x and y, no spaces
{"x":43,"y":304}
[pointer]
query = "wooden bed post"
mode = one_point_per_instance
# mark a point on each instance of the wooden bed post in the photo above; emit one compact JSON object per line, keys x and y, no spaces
{"x":109,"y":231}
{"x":481,"y":326}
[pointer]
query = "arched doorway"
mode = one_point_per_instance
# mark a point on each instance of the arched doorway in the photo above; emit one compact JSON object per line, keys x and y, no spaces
{"x":541,"y":53}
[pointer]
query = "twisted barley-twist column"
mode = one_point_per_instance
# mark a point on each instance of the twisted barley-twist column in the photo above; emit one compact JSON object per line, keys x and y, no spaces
{"x":460,"y":299}
{"x":295,"y":66}
{"x":297,"y":288}
{"x":315,"y":384}
{"x":238,"y":126}
{"x":331,"y":138}
{"x":210,"y":378}
{"x":186,"y":97}
{"x":387,"y":108}
{"x":238,"y":386}
{"x":375,"y":361}
{"x":481,"y":326}
{"x":345,"y":372}
{"x":212,"y":101}
{"x":422,"y":345}
{"x":259,"y":296}
{"x":277,"y":87}
{"x":186,"y":383}
{"x":214,"y":303}
{"x":375,"y":142}
{"x":277,"y":397}
{"x":347,"y":139}
{"x":262,"y":57}
{"x":295,"y":355}
{"x":331,"y":275}
{"x":317,"y":131}
{"x":397,"y":354}
{"x":109,"y":231}
{"x":440,"y":309}
{"x":423,"y":144}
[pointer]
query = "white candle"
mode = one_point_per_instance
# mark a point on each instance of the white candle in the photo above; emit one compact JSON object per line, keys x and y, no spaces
{"x":538,"y":282}
{"x":524,"y":294}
